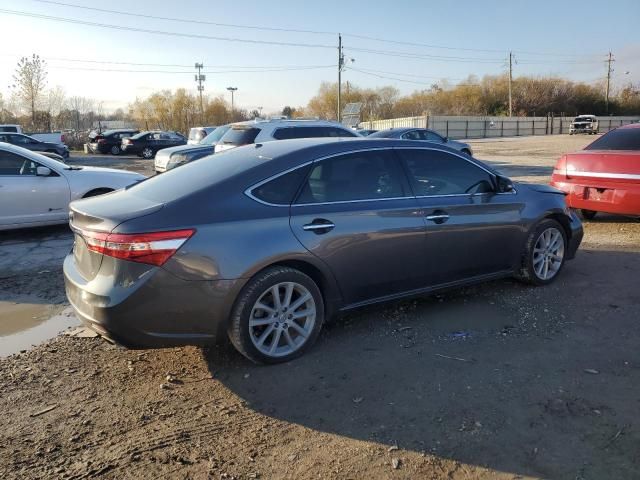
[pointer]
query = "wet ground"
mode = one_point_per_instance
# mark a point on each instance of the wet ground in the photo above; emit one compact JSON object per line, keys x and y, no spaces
{"x":496,"y":381}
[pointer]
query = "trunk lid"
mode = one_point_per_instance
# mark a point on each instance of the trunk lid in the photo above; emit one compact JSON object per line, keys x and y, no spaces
{"x":97,"y":216}
{"x":610,"y":165}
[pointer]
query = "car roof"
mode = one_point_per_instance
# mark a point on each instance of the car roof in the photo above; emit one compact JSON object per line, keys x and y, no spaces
{"x":631,"y":125}
{"x":295,"y":122}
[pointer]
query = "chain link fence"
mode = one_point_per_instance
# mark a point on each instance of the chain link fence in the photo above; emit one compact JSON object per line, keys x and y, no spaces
{"x":460,"y":127}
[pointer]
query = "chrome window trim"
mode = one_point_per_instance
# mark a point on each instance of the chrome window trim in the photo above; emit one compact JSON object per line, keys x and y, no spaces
{"x":248,"y":191}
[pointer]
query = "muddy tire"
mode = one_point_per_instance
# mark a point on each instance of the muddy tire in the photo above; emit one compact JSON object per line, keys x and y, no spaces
{"x":544,"y":253}
{"x":277,"y":316}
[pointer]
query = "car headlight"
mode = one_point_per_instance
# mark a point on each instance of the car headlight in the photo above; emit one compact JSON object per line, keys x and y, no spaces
{"x":176,"y":159}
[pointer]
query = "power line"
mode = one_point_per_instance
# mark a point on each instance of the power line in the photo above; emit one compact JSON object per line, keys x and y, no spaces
{"x":409,"y":74}
{"x":293,"y":30}
{"x":163,"y":32}
{"x":186,"y":20}
{"x":407,"y":81}
{"x":425,"y":56}
{"x":108,"y":70}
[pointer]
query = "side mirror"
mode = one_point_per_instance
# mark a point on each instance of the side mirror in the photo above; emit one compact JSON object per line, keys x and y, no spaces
{"x":43,"y":171}
{"x":505,"y":185}
{"x":446,"y":139}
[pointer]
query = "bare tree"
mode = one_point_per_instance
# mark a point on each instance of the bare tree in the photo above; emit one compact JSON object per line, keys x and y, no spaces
{"x":54,"y":102}
{"x":30,"y":80}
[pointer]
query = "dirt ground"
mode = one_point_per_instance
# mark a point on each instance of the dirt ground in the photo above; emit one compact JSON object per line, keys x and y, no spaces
{"x":495,"y":381}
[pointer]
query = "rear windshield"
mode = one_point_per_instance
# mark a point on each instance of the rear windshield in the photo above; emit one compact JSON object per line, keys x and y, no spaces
{"x":619,"y":139}
{"x":195,"y":176}
{"x":240,"y":135}
{"x":215,"y":136}
{"x":8,"y":128}
{"x":288,"y":133}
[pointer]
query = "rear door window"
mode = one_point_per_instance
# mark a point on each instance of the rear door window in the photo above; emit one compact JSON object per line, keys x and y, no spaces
{"x":369,"y":175}
{"x":240,"y":136}
{"x":434,"y":172}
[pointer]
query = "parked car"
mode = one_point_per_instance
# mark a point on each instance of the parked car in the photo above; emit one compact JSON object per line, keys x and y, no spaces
{"x":263,"y":243}
{"x":173,"y":157}
{"x":36,"y":190}
{"x":110,"y":141}
{"x":584,"y":124}
{"x":259,"y":130}
{"x":33,"y":144}
{"x":197,"y":134}
{"x":366,"y":132}
{"x":147,"y":144}
{"x":52,"y":137}
{"x":605,"y":176}
{"x":425,"y":135}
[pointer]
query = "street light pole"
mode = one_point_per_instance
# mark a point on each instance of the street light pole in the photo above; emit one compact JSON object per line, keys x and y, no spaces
{"x":232,"y":90}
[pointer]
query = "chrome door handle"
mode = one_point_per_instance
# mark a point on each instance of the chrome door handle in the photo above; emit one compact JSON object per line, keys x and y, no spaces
{"x":434,"y":218}
{"x":319,"y":226}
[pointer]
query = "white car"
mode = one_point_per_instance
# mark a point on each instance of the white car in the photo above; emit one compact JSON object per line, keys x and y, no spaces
{"x":259,"y":131}
{"x":36,"y":190}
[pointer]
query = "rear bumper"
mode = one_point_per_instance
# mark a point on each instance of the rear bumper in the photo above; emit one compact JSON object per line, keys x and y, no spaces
{"x":153,"y":310}
{"x":619,"y":198}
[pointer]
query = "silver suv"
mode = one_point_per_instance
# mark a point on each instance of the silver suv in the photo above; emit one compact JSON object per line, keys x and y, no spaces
{"x":259,"y":131}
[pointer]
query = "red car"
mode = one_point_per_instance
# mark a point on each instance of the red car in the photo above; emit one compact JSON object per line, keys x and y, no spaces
{"x":605,"y":176}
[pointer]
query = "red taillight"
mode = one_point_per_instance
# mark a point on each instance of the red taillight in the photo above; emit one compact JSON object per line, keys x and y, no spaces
{"x":153,"y":248}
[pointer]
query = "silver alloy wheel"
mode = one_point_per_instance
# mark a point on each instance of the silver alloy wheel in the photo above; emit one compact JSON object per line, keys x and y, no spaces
{"x":548,"y":253}
{"x":147,"y":152}
{"x":282,"y":319}
{"x":115,"y":150}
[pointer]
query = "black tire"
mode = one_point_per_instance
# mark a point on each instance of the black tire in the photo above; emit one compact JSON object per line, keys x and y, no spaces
{"x":115,"y":150}
{"x":587,"y":214}
{"x":239,"y":330}
{"x":527,"y":273}
{"x":148,"y":153}
{"x":96,"y":192}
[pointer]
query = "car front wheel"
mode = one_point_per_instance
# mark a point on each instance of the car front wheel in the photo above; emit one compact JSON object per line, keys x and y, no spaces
{"x":115,"y":150}
{"x":544,"y":253}
{"x":277,"y":316}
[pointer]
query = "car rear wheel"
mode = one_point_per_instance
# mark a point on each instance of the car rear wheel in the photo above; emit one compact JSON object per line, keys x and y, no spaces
{"x":544,"y":253}
{"x":277,"y":316}
{"x":147,"y":153}
{"x":115,"y":150}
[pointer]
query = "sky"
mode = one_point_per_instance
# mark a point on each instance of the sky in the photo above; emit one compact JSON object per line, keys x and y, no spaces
{"x":423,"y":41}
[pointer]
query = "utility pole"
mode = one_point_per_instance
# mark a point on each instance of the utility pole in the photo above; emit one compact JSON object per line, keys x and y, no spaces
{"x":609,"y":71}
{"x":510,"y":81}
{"x":340,"y":67}
{"x":200,"y":78}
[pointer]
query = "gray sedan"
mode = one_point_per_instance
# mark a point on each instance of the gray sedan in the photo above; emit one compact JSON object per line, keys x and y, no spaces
{"x":263,"y":243}
{"x":425,"y":135}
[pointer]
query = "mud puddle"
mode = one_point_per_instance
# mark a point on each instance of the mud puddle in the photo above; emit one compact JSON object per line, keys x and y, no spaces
{"x":26,"y":322}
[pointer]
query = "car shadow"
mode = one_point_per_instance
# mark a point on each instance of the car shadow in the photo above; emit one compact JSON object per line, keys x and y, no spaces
{"x":490,"y":376}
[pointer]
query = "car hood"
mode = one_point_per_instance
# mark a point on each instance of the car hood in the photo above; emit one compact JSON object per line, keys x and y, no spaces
{"x":185,"y":149}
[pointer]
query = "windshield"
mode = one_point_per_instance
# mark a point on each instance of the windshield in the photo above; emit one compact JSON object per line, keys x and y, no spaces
{"x":139,"y":135}
{"x":215,"y":136}
{"x":583,"y":119}
{"x":619,"y":139}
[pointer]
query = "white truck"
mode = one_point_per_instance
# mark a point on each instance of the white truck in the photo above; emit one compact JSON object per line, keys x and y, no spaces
{"x":584,"y":124}
{"x":52,"y":137}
